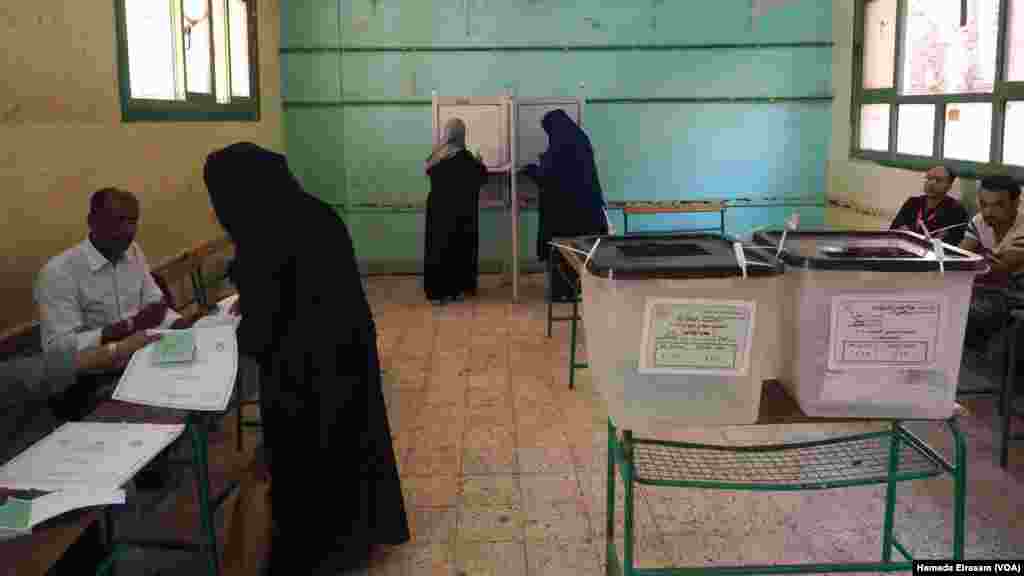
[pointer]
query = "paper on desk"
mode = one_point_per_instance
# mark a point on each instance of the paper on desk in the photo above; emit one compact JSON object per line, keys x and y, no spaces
{"x":93,"y":456}
{"x":222,"y":317}
{"x":204,"y":384}
{"x":20,"y":514}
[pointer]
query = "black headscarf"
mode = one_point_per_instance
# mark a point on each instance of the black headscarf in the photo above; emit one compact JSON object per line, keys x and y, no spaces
{"x":252,"y":191}
{"x":569,"y":162}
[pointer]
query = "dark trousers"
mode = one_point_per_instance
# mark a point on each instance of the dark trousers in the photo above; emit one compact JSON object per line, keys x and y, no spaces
{"x":82,"y":398}
{"x":84,"y":556}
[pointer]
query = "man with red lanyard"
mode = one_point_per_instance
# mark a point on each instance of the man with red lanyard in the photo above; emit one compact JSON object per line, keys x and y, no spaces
{"x":943,"y":216}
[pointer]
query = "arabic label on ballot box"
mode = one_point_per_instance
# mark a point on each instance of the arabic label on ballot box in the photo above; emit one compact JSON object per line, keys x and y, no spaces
{"x":694,"y":336}
{"x":894,"y":330}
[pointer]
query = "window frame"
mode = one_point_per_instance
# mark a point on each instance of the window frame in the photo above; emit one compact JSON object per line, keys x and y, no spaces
{"x":1002,"y":92}
{"x":196,"y":107}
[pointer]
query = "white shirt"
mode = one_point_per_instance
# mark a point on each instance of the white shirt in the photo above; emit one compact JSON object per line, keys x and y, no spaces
{"x":79,"y":292}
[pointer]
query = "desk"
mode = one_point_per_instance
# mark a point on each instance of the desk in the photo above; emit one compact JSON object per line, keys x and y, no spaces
{"x":34,"y":554}
{"x":672,"y":207}
{"x":196,"y":429}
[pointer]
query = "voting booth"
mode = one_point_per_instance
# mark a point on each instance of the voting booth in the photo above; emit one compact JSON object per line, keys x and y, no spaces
{"x":680,"y":332}
{"x":873,"y":322}
{"x":507,"y":133}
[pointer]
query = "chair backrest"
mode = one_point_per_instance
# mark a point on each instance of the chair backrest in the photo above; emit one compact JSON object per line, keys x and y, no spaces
{"x":174,"y":277}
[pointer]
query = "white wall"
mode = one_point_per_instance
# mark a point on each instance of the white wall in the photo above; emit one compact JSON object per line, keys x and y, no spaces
{"x":870,"y":194}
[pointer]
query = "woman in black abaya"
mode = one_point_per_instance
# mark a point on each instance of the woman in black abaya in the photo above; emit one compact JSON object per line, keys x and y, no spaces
{"x":571,"y":202}
{"x":335,"y":486}
{"x":452,"y":235}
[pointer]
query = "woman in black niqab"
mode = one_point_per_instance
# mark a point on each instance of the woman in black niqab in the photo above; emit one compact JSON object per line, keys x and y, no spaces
{"x":571,"y":202}
{"x":307,"y":323}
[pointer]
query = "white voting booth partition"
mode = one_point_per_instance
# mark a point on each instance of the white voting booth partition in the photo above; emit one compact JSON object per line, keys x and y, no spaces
{"x":507,"y":131}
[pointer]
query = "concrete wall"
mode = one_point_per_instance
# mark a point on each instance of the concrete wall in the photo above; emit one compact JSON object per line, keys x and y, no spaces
{"x":357,"y":121}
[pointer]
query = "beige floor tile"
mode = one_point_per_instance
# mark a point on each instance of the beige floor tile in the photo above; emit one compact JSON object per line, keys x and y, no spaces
{"x":432,"y":560}
{"x":430,"y":491}
{"x":500,"y":524}
{"x":490,"y":450}
{"x":562,"y":557}
{"x":491,"y":558}
{"x":490,"y":492}
{"x":429,"y":458}
{"x":432,"y":525}
{"x":545,"y":460}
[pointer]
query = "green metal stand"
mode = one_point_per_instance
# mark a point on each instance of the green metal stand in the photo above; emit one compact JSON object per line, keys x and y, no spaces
{"x":573,"y":319}
{"x":886,"y":457}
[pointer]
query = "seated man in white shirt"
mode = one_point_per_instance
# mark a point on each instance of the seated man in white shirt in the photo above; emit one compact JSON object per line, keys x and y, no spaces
{"x":100,"y":291}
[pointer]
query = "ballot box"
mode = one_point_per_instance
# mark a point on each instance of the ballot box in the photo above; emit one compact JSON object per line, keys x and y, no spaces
{"x":874,"y":322}
{"x":680,"y":328}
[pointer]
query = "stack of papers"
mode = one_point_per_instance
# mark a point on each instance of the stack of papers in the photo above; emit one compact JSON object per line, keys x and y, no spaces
{"x":24,"y":510}
{"x":80,"y":464}
{"x":204,"y":384}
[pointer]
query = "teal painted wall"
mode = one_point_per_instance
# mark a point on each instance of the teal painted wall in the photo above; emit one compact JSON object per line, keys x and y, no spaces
{"x":358,"y":74}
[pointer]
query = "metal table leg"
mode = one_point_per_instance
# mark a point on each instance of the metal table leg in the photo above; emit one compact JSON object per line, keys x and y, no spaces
{"x":200,"y":453}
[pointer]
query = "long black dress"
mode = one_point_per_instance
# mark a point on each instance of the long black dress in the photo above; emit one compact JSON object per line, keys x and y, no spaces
{"x":451,"y":261}
{"x":571,"y":202}
{"x":307,"y":323}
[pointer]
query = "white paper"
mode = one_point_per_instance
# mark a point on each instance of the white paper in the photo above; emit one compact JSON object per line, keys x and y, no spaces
{"x":687,"y":336}
{"x":896,"y":330}
{"x":205,"y":384}
{"x":88,"y":455}
{"x":222,"y":317}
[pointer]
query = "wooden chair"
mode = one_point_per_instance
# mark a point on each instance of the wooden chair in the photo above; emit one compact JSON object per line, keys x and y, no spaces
{"x":205,"y":277}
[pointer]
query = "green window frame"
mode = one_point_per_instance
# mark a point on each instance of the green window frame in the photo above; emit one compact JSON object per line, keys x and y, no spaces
{"x":1003,"y":92}
{"x":187,"y":106}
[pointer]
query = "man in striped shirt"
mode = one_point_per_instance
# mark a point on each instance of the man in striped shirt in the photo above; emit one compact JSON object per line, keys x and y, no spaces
{"x":997,"y":230}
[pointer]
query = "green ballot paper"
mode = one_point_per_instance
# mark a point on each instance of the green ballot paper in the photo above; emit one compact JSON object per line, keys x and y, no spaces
{"x":175,"y":347}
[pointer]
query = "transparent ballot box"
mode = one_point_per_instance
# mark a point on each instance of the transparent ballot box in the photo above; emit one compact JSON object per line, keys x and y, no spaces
{"x":873,"y":321}
{"x":679,"y":333}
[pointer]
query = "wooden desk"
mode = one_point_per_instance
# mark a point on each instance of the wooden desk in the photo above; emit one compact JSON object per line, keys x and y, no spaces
{"x":34,"y":554}
{"x":672,"y":207}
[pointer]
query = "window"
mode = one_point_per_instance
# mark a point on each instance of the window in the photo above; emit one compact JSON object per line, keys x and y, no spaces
{"x":940,"y":81}
{"x":188,"y":60}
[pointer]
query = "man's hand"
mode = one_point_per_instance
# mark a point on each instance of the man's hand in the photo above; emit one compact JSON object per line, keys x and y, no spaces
{"x":151,"y":316}
{"x":125,"y":348}
{"x":118,"y":331}
{"x":184,"y":323}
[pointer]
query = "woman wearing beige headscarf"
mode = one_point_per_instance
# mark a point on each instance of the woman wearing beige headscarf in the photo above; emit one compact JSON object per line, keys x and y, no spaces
{"x":452,"y":236}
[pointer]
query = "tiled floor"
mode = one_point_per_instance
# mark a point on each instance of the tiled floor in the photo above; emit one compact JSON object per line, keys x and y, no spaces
{"x":503,"y":467}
